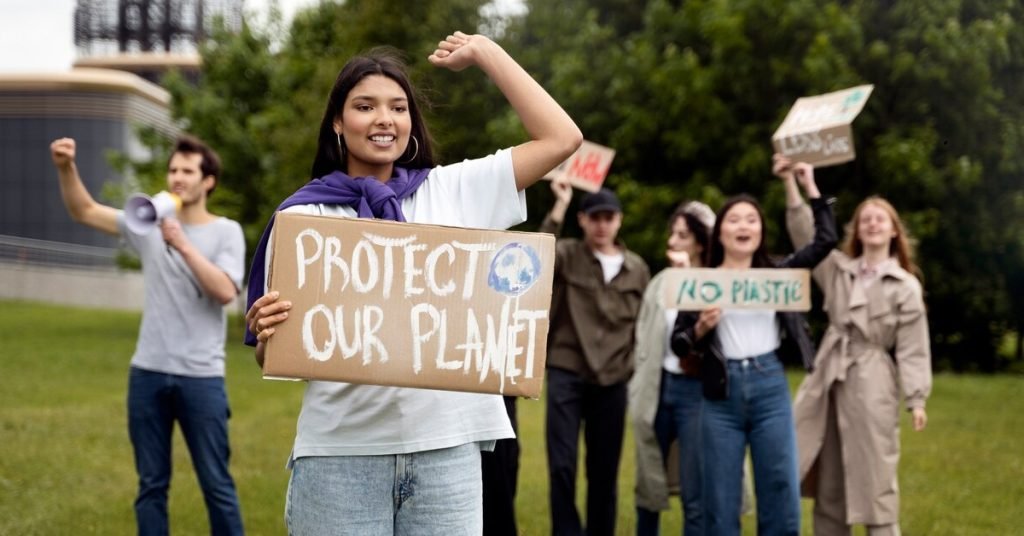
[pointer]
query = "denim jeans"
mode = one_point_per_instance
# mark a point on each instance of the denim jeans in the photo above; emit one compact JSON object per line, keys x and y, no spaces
{"x":758,"y":413}
{"x":200,"y":405}
{"x":434,"y":492}
{"x":678,"y":418}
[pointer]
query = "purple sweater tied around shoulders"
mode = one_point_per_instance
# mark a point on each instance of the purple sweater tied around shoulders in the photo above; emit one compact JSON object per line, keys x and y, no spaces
{"x":370,"y":198}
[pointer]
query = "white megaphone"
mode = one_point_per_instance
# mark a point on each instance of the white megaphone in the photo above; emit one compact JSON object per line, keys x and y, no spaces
{"x":143,"y":213}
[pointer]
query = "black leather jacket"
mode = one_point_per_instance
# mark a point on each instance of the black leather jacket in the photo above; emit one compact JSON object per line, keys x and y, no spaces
{"x":796,"y":337}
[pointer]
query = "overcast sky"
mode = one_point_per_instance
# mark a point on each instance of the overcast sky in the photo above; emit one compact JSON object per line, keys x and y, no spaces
{"x":36,"y":35}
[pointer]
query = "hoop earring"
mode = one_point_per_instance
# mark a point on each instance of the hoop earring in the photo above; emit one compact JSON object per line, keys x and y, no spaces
{"x":415,"y":152}
{"x":341,"y":148}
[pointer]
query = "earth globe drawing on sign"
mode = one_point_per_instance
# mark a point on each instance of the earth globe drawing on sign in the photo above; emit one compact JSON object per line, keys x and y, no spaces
{"x":514,"y":269}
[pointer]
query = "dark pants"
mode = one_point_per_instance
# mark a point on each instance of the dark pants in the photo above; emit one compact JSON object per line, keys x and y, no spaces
{"x":200,"y":405}
{"x":570,"y":403}
{"x":500,"y":476}
{"x":678,"y":419}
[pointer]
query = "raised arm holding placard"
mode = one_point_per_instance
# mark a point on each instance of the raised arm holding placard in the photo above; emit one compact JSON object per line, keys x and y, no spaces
{"x":598,"y":287}
{"x":876,"y":346}
{"x":374,"y":160}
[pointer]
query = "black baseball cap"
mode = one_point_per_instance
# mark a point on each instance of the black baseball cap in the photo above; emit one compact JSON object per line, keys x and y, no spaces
{"x":603,"y":200}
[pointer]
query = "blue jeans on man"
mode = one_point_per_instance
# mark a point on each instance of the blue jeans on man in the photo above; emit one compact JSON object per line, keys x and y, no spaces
{"x":757,"y":412}
{"x":678,"y":419}
{"x":200,"y":405}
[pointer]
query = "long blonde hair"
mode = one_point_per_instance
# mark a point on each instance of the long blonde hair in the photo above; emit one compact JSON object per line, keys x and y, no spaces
{"x":900,"y":246}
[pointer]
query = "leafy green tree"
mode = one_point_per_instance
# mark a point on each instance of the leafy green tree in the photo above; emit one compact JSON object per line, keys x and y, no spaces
{"x":689,"y":99}
{"x":688,"y":92}
{"x":224,"y":108}
{"x":259,"y":100}
{"x":944,"y":145}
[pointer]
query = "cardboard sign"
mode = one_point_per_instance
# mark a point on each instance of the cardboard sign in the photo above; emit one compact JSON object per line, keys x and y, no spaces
{"x":695,"y":289}
{"x":817,"y":129}
{"x":587,"y":168}
{"x":385,"y":303}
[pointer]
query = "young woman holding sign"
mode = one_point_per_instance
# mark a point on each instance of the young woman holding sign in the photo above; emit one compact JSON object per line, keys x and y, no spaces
{"x":382,"y":460}
{"x":746,"y":394}
{"x":847,"y":410}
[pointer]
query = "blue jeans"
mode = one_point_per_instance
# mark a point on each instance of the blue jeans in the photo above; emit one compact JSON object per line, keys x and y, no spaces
{"x":758,"y":413}
{"x":678,"y":418}
{"x":200,"y":405}
{"x":429,"y":493}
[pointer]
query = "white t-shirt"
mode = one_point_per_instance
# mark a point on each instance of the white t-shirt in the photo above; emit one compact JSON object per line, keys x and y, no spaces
{"x":611,"y":265}
{"x":747,"y":333}
{"x":342,"y":419}
{"x":182,"y":330}
{"x":670,"y":361}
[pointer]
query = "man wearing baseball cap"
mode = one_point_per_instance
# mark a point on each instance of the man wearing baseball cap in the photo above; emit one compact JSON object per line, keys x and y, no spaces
{"x":598,"y":288}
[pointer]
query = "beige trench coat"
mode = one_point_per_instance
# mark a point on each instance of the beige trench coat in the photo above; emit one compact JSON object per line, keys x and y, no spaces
{"x":644,"y":392}
{"x":876,"y":345}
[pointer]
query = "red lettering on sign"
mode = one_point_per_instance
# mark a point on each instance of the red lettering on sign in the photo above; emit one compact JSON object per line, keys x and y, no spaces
{"x":588,"y":167}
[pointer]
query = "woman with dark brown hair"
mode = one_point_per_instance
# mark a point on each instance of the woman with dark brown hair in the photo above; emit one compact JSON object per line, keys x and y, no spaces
{"x":746,"y":393}
{"x":394,"y":460}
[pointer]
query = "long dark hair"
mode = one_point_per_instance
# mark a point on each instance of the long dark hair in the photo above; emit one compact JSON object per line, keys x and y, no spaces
{"x":716,"y":254}
{"x":697,"y":228}
{"x":383,"y":61}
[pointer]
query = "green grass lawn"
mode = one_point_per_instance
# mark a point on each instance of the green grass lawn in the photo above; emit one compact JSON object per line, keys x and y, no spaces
{"x":66,"y":463}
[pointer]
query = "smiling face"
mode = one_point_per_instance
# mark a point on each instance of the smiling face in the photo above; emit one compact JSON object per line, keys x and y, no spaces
{"x":875,"y":228}
{"x":185,"y":178}
{"x":740,"y":233}
{"x":374,"y":125}
{"x":682,"y":240}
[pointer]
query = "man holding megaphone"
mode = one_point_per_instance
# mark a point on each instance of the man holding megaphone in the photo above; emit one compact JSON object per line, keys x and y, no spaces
{"x":191,"y":268}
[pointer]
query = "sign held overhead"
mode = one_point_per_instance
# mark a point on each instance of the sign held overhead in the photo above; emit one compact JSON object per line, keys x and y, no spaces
{"x":587,"y":168}
{"x":817,"y":129}
{"x":410,"y":305}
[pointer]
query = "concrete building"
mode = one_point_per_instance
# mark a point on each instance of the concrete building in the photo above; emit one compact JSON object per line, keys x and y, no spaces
{"x":100,"y":109}
{"x":124,"y":49}
{"x":42,"y":251}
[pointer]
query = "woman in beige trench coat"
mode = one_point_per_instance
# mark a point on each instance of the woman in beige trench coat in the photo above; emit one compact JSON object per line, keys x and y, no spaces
{"x":847,"y":411}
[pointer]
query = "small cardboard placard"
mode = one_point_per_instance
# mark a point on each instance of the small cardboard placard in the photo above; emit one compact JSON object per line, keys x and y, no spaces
{"x":695,"y":289}
{"x":587,"y":168}
{"x":817,"y":129}
{"x":410,"y":305}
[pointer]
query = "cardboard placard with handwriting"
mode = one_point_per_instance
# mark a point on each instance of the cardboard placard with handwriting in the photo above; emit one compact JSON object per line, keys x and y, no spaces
{"x":411,"y":305}
{"x":587,"y":168}
{"x":817,"y":129}
{"x":779,"y":289}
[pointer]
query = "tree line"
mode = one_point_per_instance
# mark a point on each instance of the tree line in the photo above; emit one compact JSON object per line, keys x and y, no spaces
{"x":688,"y":92}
